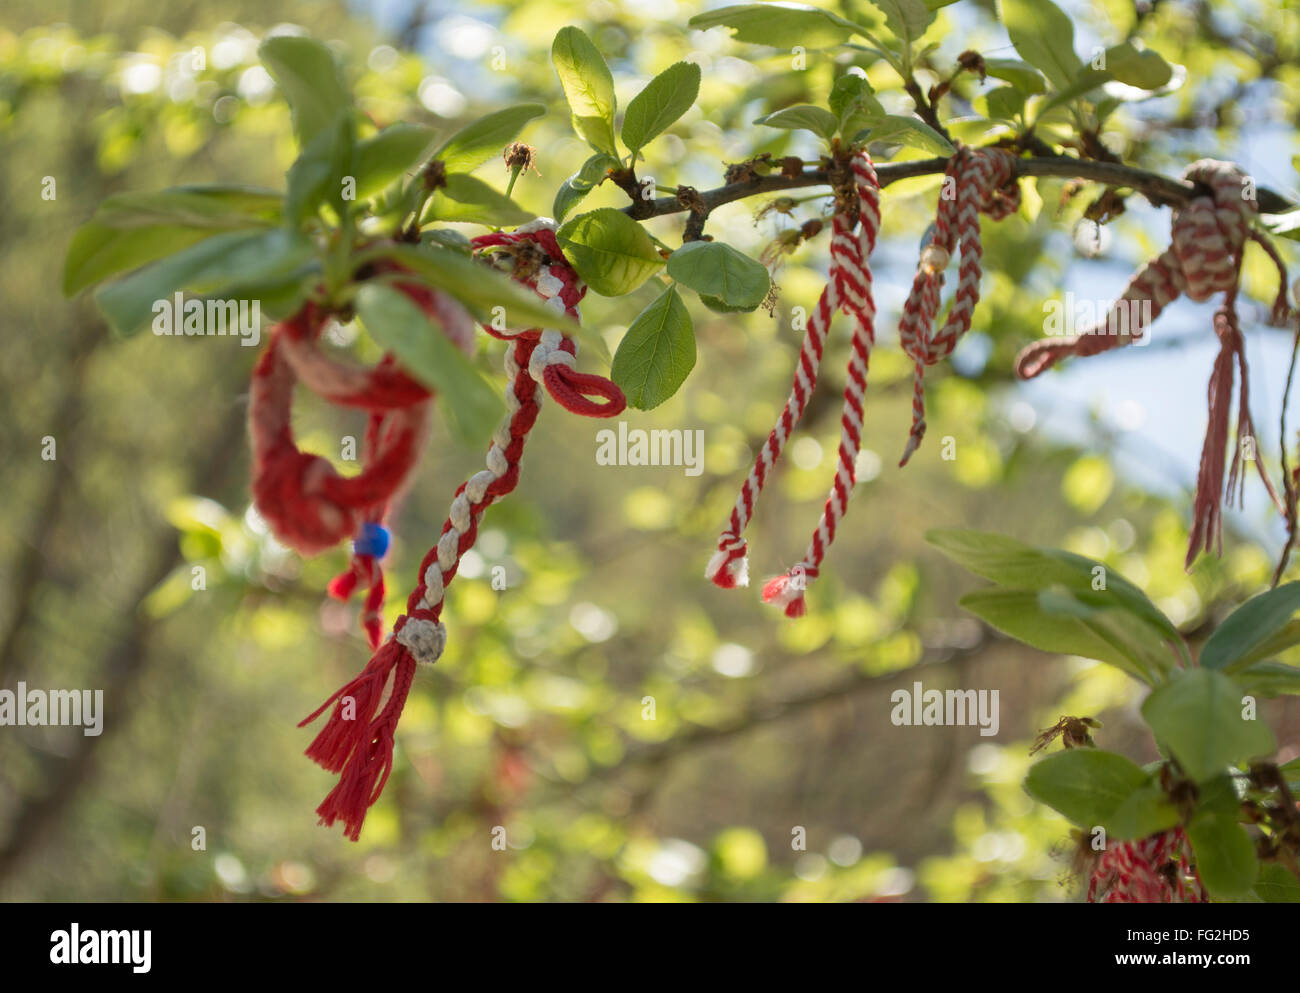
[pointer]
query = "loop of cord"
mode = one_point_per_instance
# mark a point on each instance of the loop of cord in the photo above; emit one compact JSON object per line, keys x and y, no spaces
{"x":358,"y":738}
{"x":848,"y":289}
{"x":976,"y":181}
{"x":307,"y":504}
{"x":1203,"y":258}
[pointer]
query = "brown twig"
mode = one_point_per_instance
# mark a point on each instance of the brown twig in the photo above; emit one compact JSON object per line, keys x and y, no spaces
{"x":1160,"y":190}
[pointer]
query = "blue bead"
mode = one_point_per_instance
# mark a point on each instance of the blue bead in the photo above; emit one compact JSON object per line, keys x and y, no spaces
{"x":373,"y":540}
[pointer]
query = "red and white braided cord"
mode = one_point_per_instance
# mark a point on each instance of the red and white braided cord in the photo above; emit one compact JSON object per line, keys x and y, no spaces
{"x":1155,"y":869}
{"x":981,"y":181}
{"x":1203,"y":258}
{"x":787,"y":591}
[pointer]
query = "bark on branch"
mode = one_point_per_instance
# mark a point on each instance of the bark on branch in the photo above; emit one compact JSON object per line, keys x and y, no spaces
{"x":1160,"y":190}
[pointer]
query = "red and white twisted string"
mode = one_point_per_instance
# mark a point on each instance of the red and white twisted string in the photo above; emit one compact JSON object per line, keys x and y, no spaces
{"x":1203,"y":258}
{"x":848,"y":289}
{"x":982,"y":181}
{"x":1155,"y":869}
{"x":358,"y":738}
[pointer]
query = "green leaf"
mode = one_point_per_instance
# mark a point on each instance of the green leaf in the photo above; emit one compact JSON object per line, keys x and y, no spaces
{"x":1225,"y":855}
{"x":479,"y":141}
{"x":1021,"y":75}
{"x":316,"y":177}
{"x":465,"y":398}
{"x":665,"y":98}
{"x":1277,"y":884}
{"x":1142,"y":68}
{"x":309,"y":77}
{"x":481,"y":288}
{"x":98,"y":251}
{"x":1143,"y":812}
{"x":1197,"y":716}
{"x":1014,"y":564}
{"x":214,"y":208}
{"x":911,"y":132}
{"x":1044,"y":36}
{"x":588,"y":86}
{"x":1269,"y":679}
{"x":385,"y":157}
{"x":465,"y":198}
{"x":1004,"y":103}
{"x":783,"y":25}
{"x":815,"y":119}
{"x":907,"y":19}
{"x":610,"y":251}
{"x":219,"y":261}
{"x":854,"y":104}
{"x":716,"y":270}
{"x":1113,"y":636}
{"x":657,"y":353}
{"x":1251,"y":625}
{"x":1085,"y":785}
{"x":1286,"y":225}
{"x":575,"y":189}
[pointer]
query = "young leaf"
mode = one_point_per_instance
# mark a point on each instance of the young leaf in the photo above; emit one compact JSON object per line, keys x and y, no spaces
{"x":657,"y":353}
{"x":309,"y":78}
{"x":1142,"y":813}
{"x":815,"y":119}
{"x":1021,"y":75}
{"x":1225,"y":855}
{"x":221,"y":260}
{"x":610,"y":251}
{"x":588,"y":86}
{"x":1142,"y":68}
{"x":665,"y":98}
{"x":1014,"y":564}
{"x":907,"y":19}
{"x":1277,"y":884}
{"x":1085,"y":785}
{"x":467,"y":400}
{"x":854,"y":103}
{"x":481,"y":288}
{"x":1115,"y":636}
{"x":216,"y":208}
{"x":98,"y":251}
{"x":1044,"y":36}
{"x":1250,"y":626}
{"x":386,"y":157}
{"x":576,"y":187}
{"x":1269,"y":679}
{"x":465,"y":198}
{"x":782,"y":25}
{"x":718,"y":271}
{"x":1198,"y":716}
{"x":911,"y":132}
{"x":316,"y":177}
{"x":480,"y":140}
{"x":1004,"y":103}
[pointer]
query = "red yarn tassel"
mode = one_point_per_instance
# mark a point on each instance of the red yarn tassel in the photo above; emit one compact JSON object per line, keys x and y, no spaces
{"x":355,"y":742}
{"x":1207,"y":522}
{"x":787,"y":591}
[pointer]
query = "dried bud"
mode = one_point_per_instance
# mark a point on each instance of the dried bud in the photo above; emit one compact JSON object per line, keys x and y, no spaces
{"x":435,"y":175}
{"x":519,"y":156}
{"x":973,"y":61}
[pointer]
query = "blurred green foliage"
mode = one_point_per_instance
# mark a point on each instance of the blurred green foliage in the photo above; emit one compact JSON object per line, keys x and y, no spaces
{"x":770,"y":770}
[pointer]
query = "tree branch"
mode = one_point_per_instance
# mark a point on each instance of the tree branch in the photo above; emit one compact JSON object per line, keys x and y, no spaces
{"x":1160,"y":190}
